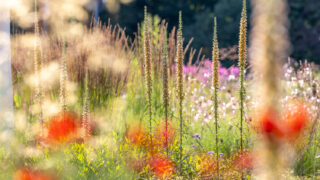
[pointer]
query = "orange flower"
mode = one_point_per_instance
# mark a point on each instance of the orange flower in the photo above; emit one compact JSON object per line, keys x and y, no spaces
{"x":26,"y":174}
{"x":165,"y":134}
{"x":243,"y":160}
{"x":162,"y":167}
{"x":63,"y":128}
{"x":137,"y":135}
{"x":295,"y":117}
{"x":207,"y":166}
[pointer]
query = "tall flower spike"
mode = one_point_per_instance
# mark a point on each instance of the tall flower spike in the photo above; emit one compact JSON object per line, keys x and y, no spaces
{"x":215,"y":84}
{"x":165,"y":83}
{"x":63,"y":78}
{"x":242,"y":65}
{"x":38,"y":67}
{"x":147,"y":63}
{"x":180,"y":81}
{"x":86,"y":112}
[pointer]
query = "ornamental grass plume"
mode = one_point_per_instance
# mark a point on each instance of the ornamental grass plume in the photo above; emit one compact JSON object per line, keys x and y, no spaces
{"x":215,"y":84}
{"x":242,"y":65}
{"x":38,"y":68}
{"x":165,"y":85}
{"x":269,"y":49}
{"x":179,"y":61}
{"x":147,"y":63}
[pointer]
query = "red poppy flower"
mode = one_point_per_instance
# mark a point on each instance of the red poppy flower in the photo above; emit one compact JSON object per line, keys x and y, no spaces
{"x":164,"y":134}
{"x":267,"y":125}
{"x":243,"y":160}
{"x":295,"y":117}
{"x":63,"y":128}
{"x":26,"y":174}
{"x":161,"y":166}
{"x":137,"y":135}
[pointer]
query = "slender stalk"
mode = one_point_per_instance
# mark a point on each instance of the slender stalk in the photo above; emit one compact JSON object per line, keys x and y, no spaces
{"x":180,"y":82}
{"x":38,"y":66}
{"x":242,"y":64}
{"x":86,"y":112}
{"x":147,"y":58}
{"x":215,"y":84}
{"x":63,"y":78}
{"x":165,"y":85}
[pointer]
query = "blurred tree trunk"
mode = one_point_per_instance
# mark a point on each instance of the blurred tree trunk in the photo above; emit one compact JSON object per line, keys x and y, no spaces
{"x":6,"y":91}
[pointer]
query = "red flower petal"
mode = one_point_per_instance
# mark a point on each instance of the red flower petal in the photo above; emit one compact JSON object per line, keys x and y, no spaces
{"x":26,"y":174}
{"x":62,"y":128}
{"x":296,"y":118}
{"x":161,"y":166}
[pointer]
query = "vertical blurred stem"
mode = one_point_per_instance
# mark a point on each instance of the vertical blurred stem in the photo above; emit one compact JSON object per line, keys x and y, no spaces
{"x":38,"y":67}
{"x":269,"y":49}
{"x":85,"y":113}
{"x":165,"y":85}
{"x":215,"y":84}
{"x":63,"y":78}
{"x":6,"y":91}
{"x":180,"y":83}
{"x":147,"y":58}
{"x":242,"y":64}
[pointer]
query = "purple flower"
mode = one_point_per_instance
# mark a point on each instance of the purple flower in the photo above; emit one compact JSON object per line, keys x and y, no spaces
{"x":196,"y":136}
{"x":211,"y":152}
{"x":207,"y":64}
{"x":221,"y":154}
{"x":194,"y":146}
{"x":189,"y":70}
{"x":234,"y":71}
{"x":223,"y":72}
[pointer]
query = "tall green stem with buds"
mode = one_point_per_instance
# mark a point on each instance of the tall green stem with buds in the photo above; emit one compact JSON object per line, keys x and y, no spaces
{"x":242,"y":64}
{"x":147,"y":63}
{"x":215,"y":84}
{"x":165,"y":85}
{"x":180,"y":94}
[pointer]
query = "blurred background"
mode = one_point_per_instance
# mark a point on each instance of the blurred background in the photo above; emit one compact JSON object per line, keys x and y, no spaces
{"x":198,"y":16}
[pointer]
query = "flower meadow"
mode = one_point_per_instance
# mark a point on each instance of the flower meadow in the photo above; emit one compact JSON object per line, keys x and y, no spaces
{"x":94,"y":103}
